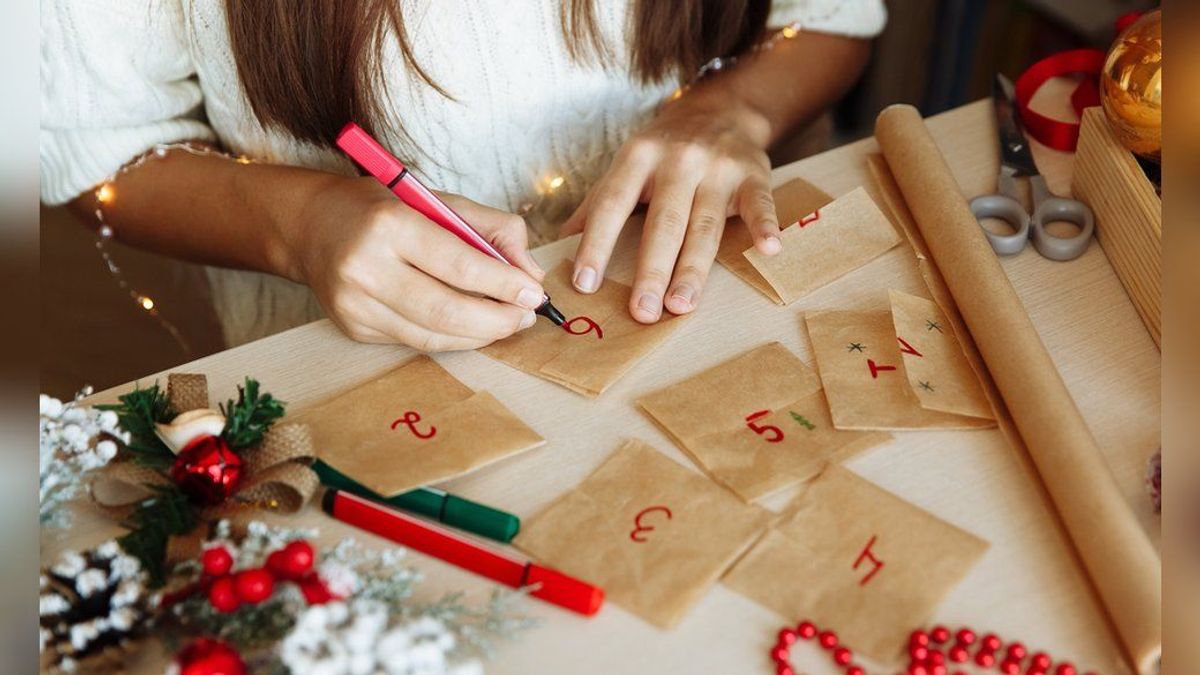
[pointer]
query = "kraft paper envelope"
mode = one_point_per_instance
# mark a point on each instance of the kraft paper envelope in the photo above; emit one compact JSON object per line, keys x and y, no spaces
{"x":756,"y":423}
{"x":826,"y":244}
{"x":583,"y":358}
{"x":793,"y":200}
{"x":854,"y":558}
{"x":650,"y":532}
{"x":866,"y":383}
{"x":414,"y":426}
{"x":937,"y":368}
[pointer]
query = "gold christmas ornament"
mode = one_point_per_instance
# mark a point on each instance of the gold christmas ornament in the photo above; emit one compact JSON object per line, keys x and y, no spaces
{"x":1131,"y":86}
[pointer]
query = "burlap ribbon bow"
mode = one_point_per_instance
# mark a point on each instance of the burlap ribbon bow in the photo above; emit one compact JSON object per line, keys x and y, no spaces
{"x":275,"y":475}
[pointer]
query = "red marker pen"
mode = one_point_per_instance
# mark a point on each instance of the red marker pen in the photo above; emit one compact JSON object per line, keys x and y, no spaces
{"x":377,"y":161}
{"x":552,"y":586}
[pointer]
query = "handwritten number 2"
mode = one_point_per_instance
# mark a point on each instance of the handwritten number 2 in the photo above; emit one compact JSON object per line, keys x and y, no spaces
{"x":588,"y":327}
{"x":410,"y":419}
{"x":769,"y":432}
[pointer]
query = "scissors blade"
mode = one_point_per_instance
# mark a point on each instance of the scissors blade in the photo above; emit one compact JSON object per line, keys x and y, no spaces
{"x":1014,"y":149}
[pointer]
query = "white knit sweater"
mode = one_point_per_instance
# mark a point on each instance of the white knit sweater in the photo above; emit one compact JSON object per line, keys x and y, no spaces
{"x":119,"y":76}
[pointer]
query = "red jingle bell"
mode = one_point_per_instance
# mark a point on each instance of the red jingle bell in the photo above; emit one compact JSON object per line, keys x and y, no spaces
{"x":216,"y":561}
{"x":205,"y":656}
{"x":222,"y":595}
{"x":207,"y":470}
{"x":253,"y":586}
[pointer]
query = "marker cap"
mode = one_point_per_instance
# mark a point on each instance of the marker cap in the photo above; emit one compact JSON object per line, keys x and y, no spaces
{"x":370,"y":155}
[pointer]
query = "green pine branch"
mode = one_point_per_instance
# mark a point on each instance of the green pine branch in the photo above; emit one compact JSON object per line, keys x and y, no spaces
{"x":153,"y":522}
{"x":137,"y":413}
{"x":248,"y":419}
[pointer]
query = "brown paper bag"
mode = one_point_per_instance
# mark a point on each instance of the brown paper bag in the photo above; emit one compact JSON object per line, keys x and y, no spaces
{"x":654,"y":535}
{"x":859,"y":560}
{"x":793,"y":200}
{"x":937,"y":368}
{"x":828,"y":243}
{"x":866,"y":383}
{"x":597,"y":345}
{"x":756,"y":423}
{"x":414,"y":426}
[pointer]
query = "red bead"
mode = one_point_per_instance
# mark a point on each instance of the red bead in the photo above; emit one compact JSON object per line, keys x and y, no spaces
{"x":918,"y":653}
{"x":917,"y":669}
{"x":784,"y":669}
{"x":959,"y":654}
{"x":1040,"y":660}
{"x":939,"y":634}
{"x":205,"y":656}
{"x":1016,"y":651}
{"x":985,"y":659}
{"x":936,"y":658}
{"x":918,"y":637}
{"x":806,"y":630}
{"x":222,"y":595}
{"x":787,"y":636}
{"x":207,"y":470}
{"x":216,"y":561}
{"x":842,"y":656}
{"x":855,"y":670}
{"x":1010,"y":667}
{"x":780,"y":654}
{"x":1064,"y":668}
{"x":937,"y":669}
{"x":990,"y":642}
{"x":966,"y":636}
{"x":828,"y":639}
{"x":254,"y":586}
{"x":1034,"y":670}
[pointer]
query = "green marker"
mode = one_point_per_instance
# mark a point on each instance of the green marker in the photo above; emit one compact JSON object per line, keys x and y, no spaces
{"x":442,"y":506}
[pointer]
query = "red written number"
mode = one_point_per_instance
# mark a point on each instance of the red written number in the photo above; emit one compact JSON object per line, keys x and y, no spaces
{"x":907,"y":348}
{"x":639,"y":528}
{"x":868,"y":555}
{"x":410,"y":419}
{"x":775,"y":433}
{"x":810,"y":218}
{"x":589,"y":327}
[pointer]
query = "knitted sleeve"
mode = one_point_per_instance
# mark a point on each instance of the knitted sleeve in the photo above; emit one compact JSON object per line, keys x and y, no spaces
{"x":852,"y":18}
{"x":117,"y":78}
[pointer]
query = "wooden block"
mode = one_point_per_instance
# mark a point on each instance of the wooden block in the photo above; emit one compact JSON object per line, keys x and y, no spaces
{"x":1128,"y":214}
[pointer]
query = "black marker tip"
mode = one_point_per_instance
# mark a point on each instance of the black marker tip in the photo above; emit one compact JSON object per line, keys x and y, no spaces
{"x":551,"y":312}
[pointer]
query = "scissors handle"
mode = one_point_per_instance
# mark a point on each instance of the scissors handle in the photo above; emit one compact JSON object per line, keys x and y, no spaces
{"x":1053,"y":209}
{"x":1009,"y":210}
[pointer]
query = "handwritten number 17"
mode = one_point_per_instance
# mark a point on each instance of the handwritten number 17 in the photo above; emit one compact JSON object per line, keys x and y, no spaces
{"x":769,"y":432}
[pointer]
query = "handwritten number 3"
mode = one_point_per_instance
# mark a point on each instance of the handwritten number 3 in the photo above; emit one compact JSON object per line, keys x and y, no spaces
{"x":639,"y":528}
{"x":410,"y":419}
{"x":776,"y":434}
{"x":591,"y":326}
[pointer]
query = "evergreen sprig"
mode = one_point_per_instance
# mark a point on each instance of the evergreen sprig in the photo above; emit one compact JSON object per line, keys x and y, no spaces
{"x":137,"y":413}
{"x":153,"y":522}
{"x":248,"y":419}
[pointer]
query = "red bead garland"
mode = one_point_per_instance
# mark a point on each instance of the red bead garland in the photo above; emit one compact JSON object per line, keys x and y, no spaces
{"x":228,"y":590}
{"x":928,"y":652}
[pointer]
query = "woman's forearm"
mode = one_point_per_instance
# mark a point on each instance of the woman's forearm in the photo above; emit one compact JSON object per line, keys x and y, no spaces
{"x":211,"y":209}
{"x":778,"y":90}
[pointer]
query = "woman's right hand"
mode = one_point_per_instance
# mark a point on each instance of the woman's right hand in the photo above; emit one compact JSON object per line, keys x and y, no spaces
{"x":386,"y":274}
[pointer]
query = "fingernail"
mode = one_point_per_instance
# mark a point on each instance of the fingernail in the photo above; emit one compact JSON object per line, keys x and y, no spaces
{"x":650,"y":303}
{"x":685,"y":293}
{"x":585,"y":279}
{"x":771,"y":245}
{"x":529,"y":298}
{"x":527,"y":320}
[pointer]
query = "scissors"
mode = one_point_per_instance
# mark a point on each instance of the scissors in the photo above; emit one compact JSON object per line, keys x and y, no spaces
{"x":1015,"y":161}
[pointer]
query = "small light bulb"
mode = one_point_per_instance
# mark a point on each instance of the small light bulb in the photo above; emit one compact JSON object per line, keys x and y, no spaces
{"x":790,"y":32}
{"x":105,"y":193}
{"x":146,"y":302}
{"x":557,"y":182}
{"x":243,"y":160}
{"x":676,"y":94}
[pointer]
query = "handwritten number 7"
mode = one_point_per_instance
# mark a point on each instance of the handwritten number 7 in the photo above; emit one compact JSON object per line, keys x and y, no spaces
{"x":769,"y":432}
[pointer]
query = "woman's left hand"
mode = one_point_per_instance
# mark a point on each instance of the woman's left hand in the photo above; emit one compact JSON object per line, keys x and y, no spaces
{"x":697,"y":163}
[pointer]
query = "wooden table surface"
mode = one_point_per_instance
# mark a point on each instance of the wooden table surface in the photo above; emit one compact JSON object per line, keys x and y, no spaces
{"x":1027,"y":587}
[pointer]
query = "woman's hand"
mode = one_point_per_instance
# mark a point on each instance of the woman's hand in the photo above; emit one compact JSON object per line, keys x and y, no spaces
{"x":384,"y":273}
{"x":696,"y":164}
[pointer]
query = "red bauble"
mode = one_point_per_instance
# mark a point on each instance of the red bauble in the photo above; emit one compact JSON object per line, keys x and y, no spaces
{"x":253,"y":586}
{"x":207,"y":470}
{"x":293,"y":561}
{"x":205,"y":656}
{"x":223,"y":595}
{"x":216,"y":561}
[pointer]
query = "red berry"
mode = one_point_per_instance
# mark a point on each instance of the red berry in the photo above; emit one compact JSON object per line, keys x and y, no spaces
{"x":1016,"y":651}
{"x":959,"y":654}
{"x":990,"y":642}
{"x":205,"y":656}
{"x":842,"y":656}
{"x":1064,"y":668}
{"x":223,"y":596}
{"x":939,"y":634}
{"x":787,"y":636}
{"x":918,"y":653}
{"x":1040,"y":660}
{"x":1034,"y":670}
{"x":216,"y":561}
{"x":855,"y":670}
{"x":917,"y":669}
{"x":780,"y":654}
{"x":985,"y":659}
{"x":297,"y":559}
{"x":966,"y":636}
{"x":784,"y":669}
{"x":937,"y":669}
{"x":936,"y":658}
{"x":828,"y":639}
{"x":1010,"y":667}
{"x":254,"y":586}
{"x":806,"y":630}
{"x":918,"y":637}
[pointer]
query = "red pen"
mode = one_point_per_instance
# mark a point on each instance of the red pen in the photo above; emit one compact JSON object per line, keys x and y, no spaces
{"x":377,"y":161}
{"x":553,"y":586}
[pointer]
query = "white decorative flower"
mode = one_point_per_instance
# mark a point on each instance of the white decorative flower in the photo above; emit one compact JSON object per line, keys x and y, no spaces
{"x":106,"y":450}
{"x":107,"y":420}
{"x":49,"y":406}
{"x":109,"y":549}
{"x":338,"y":578}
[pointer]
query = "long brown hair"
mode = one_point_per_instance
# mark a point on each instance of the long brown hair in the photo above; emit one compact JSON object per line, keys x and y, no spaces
{"x":310,"y":66}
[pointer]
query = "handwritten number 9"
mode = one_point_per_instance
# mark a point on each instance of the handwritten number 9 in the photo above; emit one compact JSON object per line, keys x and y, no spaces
{"x":769,"y":432}
{"x":589,"y":327}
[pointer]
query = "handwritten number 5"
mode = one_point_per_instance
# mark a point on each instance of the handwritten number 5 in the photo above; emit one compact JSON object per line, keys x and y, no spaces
{"x":410,"y":419}
{"x":776,"y":434}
